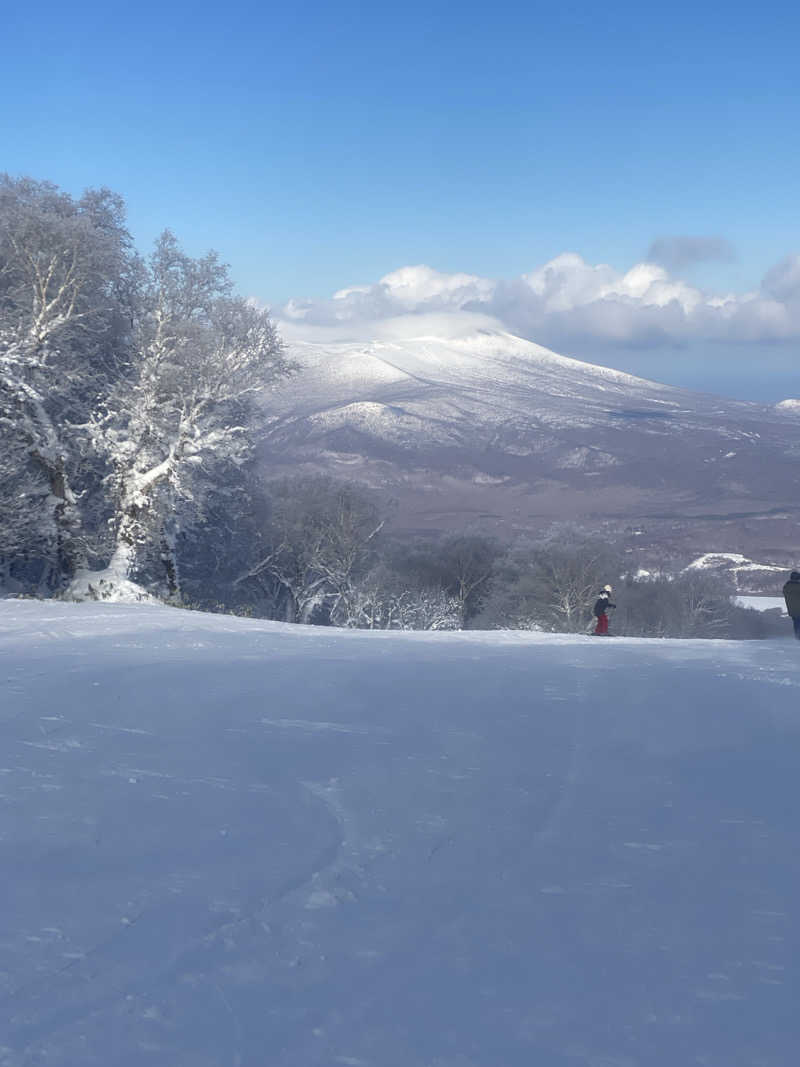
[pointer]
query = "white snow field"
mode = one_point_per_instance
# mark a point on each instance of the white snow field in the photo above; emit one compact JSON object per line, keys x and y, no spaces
{"x":236,"y":843}
{"x":762,"y":603}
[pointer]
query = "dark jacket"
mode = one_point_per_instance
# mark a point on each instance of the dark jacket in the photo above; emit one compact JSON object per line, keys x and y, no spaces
{"x":791,"y":592}
{"x":601,"y":604}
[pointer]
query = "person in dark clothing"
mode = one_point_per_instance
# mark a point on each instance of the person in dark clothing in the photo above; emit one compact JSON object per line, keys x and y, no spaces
{"x":791,"y":594}
{"x":602,"y":604}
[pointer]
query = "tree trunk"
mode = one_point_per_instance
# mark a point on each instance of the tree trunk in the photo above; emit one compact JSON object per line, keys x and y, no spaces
{"x":69,"y":554}
{"x":145,"y":550}
{"x":170,"y":562}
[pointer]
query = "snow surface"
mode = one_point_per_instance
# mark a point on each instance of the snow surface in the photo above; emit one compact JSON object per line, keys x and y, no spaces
{"x":734,"y":560}
{"x":231,"y":842}
{"x":450,"y":350}
{"x":762,"y":603}
{"x":109,"y":584}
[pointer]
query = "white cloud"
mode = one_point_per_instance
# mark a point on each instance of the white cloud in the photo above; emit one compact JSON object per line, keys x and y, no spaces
{"x":568,"y":301}
{"x":411,"y":287}
{"x":408,"y":290}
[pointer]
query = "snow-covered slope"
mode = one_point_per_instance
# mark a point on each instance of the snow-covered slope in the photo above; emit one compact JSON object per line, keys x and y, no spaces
{"x":229,"y":842}
{"x":469,"y":379}
{"x":463,"y":421}
{"x":762,"y":603}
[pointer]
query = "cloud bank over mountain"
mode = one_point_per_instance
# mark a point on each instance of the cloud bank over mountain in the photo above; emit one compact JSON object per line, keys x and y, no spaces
{"x":568,"y":301}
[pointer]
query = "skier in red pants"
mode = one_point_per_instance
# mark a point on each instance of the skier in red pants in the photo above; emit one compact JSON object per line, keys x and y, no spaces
{"x":602,"y":604}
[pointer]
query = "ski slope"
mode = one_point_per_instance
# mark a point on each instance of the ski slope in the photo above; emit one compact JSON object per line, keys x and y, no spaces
{"x":231,"y":843}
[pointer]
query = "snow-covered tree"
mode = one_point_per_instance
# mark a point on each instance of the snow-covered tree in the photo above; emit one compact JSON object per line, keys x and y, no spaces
{"x":383,"y":601}
{"x":318,"y":543}
{"x":23,"y":493}
{"x":689,"y":604}
{"x":568,"y":573}
{"x":186,"y":406}
{"x":550,"y":584}
{"x":460,"y":564}
{"x":63,"y":266}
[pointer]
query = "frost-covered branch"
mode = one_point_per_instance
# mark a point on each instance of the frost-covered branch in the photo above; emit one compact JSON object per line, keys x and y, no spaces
{"x":186,"y":405}
{"x":59,"y":260}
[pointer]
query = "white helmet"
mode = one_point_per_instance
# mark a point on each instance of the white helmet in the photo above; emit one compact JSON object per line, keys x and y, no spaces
{"x":607,"y":589}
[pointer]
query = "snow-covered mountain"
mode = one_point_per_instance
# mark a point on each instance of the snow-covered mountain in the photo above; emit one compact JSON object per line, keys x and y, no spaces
{"x":744,"y":574}
{"x":465,"y":422}
{"x":233,"y":842}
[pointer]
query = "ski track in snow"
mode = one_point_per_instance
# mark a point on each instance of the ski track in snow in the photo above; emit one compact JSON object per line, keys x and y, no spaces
{"x":233,"y":842}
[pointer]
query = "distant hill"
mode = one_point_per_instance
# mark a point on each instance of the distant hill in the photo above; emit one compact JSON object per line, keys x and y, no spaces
{"x":466,"y":424}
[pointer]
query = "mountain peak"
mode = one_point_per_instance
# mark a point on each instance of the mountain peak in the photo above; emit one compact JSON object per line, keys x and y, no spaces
{"x":464,"y":423}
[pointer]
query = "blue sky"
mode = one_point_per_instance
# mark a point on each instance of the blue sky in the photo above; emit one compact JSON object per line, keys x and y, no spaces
{"x":321,"y":145}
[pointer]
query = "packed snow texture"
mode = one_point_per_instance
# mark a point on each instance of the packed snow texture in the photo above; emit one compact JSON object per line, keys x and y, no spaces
{"x":230,"y":842}
{"x":108,"y":584}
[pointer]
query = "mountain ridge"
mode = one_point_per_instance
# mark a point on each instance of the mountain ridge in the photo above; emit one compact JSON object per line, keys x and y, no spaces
{"x":508,"y":435}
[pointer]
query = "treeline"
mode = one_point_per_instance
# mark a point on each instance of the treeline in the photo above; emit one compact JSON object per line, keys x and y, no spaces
{"x":129,"y":394}
{"x":321,"y":554}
